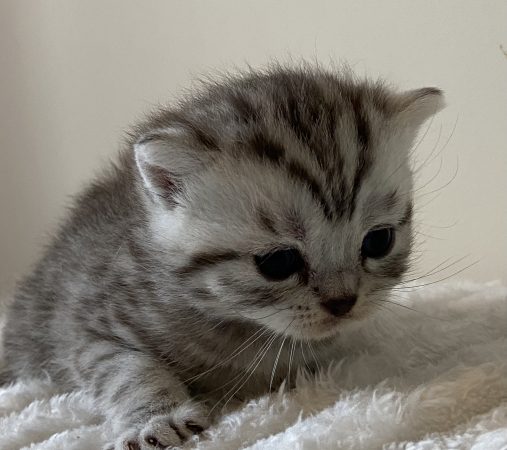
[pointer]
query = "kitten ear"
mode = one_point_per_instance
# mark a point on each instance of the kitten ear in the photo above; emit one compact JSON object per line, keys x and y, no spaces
{"x":414,"y":107}
{"x":164,"y":158}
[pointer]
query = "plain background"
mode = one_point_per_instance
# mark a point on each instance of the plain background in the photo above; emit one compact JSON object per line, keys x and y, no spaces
{"x":74,"y":74}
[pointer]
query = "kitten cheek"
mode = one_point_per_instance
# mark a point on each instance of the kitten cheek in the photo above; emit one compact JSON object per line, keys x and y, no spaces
{"x":386,"y":273}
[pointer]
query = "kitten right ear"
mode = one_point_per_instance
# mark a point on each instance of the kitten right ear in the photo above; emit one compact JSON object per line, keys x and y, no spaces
{"x":164,"y":158}
{"x":413,"y":108}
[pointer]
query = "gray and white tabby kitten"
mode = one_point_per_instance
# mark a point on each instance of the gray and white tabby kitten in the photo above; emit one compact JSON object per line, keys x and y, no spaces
{"x":263,"y":212}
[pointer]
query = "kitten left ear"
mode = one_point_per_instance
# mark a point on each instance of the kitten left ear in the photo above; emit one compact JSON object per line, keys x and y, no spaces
{"x":414,"y":107}
{"x":165,"y":158}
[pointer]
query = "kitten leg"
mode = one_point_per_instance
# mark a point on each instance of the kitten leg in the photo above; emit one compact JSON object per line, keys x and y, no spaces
{"x":145,"y":405}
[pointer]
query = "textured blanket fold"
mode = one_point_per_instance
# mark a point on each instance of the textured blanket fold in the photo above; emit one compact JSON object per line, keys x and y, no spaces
{"x":431,"y":374}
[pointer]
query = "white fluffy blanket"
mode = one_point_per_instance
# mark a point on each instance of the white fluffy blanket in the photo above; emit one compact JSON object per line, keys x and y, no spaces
{"x":431,"y":379}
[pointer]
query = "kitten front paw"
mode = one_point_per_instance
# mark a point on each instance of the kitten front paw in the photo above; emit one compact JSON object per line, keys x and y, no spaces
{"x":165,"y":431}
{"x":171,"y":431}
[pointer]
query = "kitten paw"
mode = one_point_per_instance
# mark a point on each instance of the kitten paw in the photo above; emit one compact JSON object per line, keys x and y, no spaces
{"x":165,"y":431}
{"x":169,"y":431}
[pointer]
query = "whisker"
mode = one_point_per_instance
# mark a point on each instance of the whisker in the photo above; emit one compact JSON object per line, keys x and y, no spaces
{"x":250,"y":370}
{"x":386,"y":308}
{"x":291,"y":355}
{"x":412,"y":309}
{"x":427,"y":159}
{"x":430,"y":236}
{"x":276,"y":363}
{"x":411,"y":288}
{"x":260,"y":318}
{"x":264,"y":346}
{"x":214,"y":327}
{"x":451,"y":134}
{"x":392,"y":311}
{"x":441,"y":227}
{"x":435,"y":271}
{"x":312,"y":351}
{"x":416,"y":146}
{"x":246,"y":344}
{"x":249,"y":374}
{"x":433,"y":178}
{"x":304,"y":357}
{"x":454,"y":176}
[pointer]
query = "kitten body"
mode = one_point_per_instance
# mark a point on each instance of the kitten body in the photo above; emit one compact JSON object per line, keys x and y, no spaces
{"x":155,"y":296}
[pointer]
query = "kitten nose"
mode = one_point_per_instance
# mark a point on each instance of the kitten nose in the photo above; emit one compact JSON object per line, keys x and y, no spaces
{"x":340,"y":305}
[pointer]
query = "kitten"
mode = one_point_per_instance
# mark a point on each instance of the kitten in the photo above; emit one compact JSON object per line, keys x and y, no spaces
{"x":266,"y":211}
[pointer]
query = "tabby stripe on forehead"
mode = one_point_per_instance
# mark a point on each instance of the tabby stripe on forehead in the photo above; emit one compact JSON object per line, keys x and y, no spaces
{"x":362,"y":126}
{"x":201,"y":261}
{"x":268,"y":149}
{"x":364,"y":162}
{"x":298,"y":172}
{"x":289,"y":96}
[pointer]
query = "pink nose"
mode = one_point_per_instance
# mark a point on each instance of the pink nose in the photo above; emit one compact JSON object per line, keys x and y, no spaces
{"x":340,"y":305}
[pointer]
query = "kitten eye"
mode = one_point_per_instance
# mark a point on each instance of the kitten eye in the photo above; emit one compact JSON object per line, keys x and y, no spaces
{"x":377,"y":243}
{"x":280,"y":264}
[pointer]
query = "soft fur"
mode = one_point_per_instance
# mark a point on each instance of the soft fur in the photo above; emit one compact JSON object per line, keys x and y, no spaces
{"x":434,"y":379}
{"x":150,"y":299}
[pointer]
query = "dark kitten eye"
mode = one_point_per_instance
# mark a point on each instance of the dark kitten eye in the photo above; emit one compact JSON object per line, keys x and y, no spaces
{"x":280,"y":264}
{"x":377,"y":243}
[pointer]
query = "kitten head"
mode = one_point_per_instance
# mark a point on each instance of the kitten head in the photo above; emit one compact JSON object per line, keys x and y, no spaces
{"x":283,"y":198}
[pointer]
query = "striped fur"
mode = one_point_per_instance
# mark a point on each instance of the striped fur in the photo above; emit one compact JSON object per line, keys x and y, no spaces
{"x":149,"y":297}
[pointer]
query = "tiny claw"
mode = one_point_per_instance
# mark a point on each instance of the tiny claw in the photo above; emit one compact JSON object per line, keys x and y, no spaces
{"x":133,"y":446}
{"x":154,"y":442}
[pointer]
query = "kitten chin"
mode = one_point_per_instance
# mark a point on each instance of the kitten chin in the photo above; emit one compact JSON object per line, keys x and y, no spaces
{"x":265,"y":211}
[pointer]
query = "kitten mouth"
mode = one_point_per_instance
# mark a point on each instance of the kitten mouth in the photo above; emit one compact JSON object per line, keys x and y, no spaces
{"x":330,"y":321}
{"x":333,"y":320}
{"x":322,"y":328}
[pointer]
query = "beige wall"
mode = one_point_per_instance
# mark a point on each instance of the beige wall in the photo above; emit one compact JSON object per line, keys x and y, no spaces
{"x":75,"y":73}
